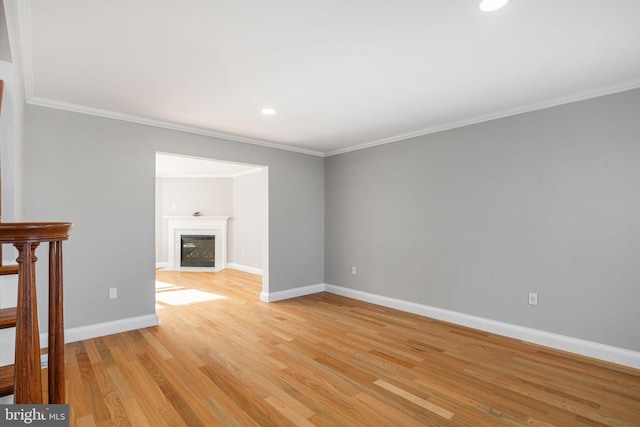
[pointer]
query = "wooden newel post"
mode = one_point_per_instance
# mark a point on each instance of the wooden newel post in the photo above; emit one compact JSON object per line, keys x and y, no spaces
{"x":26,"y":237}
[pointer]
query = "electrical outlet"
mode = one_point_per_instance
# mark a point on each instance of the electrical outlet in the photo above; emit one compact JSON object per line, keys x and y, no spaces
{"x":353,"y":270}
{"x":113,"y":293}
{"x":533,"y":298}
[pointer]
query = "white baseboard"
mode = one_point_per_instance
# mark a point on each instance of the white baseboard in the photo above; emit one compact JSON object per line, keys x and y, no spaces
{"x":604,"y":352}
{"x":195,"y":269}
{"x":245,"y":268}
{"x":92,"y":331}
{"x":561,"y":342}
{"x":107,"y":328}
{"x":240,"y":267}
{"x":291,"y":293}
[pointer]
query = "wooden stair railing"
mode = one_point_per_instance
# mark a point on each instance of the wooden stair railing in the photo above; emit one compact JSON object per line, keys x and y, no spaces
{"x":24,"y":379}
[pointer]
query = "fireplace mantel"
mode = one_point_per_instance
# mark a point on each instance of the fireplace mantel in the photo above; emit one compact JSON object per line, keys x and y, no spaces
{"x":199,"y":225}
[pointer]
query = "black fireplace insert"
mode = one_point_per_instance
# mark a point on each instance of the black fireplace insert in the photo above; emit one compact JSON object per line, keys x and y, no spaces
{"x":197,"y":251}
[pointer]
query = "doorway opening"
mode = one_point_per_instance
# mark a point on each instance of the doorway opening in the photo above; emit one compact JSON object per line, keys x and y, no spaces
{"x":211,"y":215}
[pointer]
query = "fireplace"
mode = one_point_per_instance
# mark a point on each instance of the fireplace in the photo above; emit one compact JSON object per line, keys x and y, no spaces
{"x":211,"y":232}
{"x":197,"y":251}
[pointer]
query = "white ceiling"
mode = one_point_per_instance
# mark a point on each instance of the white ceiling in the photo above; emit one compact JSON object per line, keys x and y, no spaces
{"x":173,"y":166}
{"x":341,"y":74}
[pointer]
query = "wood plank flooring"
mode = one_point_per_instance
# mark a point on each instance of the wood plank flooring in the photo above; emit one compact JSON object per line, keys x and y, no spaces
{"x":222,"y":357}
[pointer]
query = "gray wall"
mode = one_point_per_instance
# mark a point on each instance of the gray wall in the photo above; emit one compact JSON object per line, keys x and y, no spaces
{"x":100,"y":174}
{"x":474,"y":218}
{"x":210,"y":196}
{"x":184,"y":196}
{"x":8,"y":168}
{"x":247,"y":224}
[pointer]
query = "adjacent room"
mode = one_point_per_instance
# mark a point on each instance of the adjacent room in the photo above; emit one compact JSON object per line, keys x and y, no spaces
{"x":321,"y":213}
{"x":224,"y":203}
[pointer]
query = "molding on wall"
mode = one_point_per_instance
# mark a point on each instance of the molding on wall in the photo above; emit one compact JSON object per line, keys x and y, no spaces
{"x":162,"y":264}
{"x":560,"y":342}
{"x":554,"y":102}
{"x":109,"y":114}
{"x":107,"y":328}
{"x":536,"y":106}
{"x":23,"y":34}
{"x":291,"y":293}
{"x":84,"y":333}
{"x":245,"y":268}
{"x":579,"y":346}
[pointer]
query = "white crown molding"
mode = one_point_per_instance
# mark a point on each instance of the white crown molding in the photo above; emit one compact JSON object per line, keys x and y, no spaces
{"x":23,"y":12}
{"x":553,"y":102}
{"x":60,"y":105}
{"x":23,"y":16}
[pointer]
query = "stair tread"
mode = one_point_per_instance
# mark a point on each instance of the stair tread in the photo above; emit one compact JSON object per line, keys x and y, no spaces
{"x":6,"y":270}
{"x":6,"y":380}
{"x":8,"y":317}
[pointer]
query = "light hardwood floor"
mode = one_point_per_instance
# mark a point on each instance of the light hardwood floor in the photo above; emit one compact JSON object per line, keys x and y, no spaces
{"x":222,"y":357}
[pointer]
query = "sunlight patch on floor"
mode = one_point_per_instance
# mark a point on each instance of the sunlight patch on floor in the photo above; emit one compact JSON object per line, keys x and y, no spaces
{"x":171,"y":294}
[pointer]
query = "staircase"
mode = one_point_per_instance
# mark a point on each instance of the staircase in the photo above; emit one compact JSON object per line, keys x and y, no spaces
{"x":24,"y":378}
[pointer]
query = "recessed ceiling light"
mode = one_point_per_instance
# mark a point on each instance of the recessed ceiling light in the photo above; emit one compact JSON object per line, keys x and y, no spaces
{"x":268,"y":111}
{"x":491,"y":5}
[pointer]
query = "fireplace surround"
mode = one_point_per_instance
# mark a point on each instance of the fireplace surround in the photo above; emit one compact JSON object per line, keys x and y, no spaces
{"x":202,"y":226}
